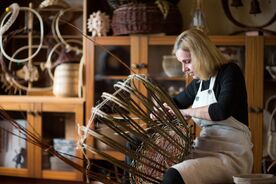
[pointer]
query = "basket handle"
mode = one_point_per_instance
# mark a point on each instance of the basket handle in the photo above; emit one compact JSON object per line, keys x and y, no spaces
{"x":271,"y":165}
{"x":269,"y":100}
{"x":271,"y":120}
{"x":81,"y":78}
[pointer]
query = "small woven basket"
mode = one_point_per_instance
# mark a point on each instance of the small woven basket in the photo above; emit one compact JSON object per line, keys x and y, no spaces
{"x":144,"y":18}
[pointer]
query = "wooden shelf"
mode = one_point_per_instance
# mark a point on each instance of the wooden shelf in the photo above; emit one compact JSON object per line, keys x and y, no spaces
{"x":40,"y":99}
{"x":170,"y":78}
{"x":113,"y":77}
{"x":270,"y":81}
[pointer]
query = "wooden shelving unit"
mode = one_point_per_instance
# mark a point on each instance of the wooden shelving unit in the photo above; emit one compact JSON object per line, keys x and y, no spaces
{"x":37,"y":109}
{"x":47,"y":116}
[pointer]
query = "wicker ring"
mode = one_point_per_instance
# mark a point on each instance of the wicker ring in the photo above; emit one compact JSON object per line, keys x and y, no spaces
{"x":41,"y":36}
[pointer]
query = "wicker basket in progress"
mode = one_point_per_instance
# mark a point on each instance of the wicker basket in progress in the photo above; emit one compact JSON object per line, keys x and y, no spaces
{"x":145,"y":18}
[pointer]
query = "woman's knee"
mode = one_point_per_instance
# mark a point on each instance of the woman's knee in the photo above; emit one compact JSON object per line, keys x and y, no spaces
{"x":172,"y":176}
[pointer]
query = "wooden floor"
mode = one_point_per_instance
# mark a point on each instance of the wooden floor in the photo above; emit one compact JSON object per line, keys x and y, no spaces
{"x":20,"y":180}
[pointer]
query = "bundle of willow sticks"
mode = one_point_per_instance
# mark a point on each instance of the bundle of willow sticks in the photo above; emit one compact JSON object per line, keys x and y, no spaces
{"x":164,"y":138}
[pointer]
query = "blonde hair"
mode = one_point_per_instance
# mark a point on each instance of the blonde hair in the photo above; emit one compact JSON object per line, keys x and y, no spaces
{"x":206,"y":57}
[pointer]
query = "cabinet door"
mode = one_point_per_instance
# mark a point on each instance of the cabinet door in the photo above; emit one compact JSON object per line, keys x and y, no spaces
{"x":269,"y":99}
{"x":15,"y":152}
{"x":49,"y":120}
{"x":57,"y":125}
{"x":163,"y":65}
{"x":269,"y":68}
{"x":103,"y":68}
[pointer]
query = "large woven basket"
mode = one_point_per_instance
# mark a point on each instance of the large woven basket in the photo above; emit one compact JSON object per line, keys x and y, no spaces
{"x":145,"y":18}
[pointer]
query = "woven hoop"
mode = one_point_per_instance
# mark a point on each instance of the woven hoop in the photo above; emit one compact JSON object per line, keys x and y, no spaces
{"x":144,"y":18}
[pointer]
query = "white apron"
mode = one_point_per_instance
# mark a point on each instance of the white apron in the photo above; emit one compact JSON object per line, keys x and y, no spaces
{"x":222,"y":150}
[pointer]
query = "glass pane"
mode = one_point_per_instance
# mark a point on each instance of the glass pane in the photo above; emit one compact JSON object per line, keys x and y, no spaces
{"x":109,"y":71}
{"x":270,"y":62}
{"x":156,"y":55}
{"x":269,"y":91}
{"x":108,"y":87}
{"x":105,"y":130}
{"x":165,"y":69}
{"x":269,"y":78}
{"x":235,"y":54}
{"x":107,"y":65}
{"x":13,"y":147}
{"x":172,"y":87}
{"x":58,"y":130}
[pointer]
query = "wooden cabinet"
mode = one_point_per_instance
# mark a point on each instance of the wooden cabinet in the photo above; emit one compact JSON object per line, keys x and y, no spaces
{"x":54,"y":121}
{"x":145,"y":57}
{"x":143,"y":54}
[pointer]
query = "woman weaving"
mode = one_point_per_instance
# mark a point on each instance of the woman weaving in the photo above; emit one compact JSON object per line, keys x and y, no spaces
{"x":216,"y":100}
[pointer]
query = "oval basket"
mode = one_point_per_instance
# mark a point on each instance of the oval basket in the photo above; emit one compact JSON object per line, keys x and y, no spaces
{"x":144,"y":18}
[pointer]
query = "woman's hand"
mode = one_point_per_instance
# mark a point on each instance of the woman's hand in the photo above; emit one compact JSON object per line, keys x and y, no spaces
{"x":186,"y":113}
{"x":167,"y":108}
{"x":199,"y":112}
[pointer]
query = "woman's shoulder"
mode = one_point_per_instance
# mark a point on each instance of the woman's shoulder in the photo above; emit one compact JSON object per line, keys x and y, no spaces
{"x":230,"y":71}
{"x":231,"y":66}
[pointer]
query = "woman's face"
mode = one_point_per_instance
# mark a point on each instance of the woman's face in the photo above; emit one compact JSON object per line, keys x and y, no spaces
{"x":184,"y":57}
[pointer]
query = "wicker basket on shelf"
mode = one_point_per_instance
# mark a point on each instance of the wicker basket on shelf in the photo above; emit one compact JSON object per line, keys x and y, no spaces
{"x":145,"y":18}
